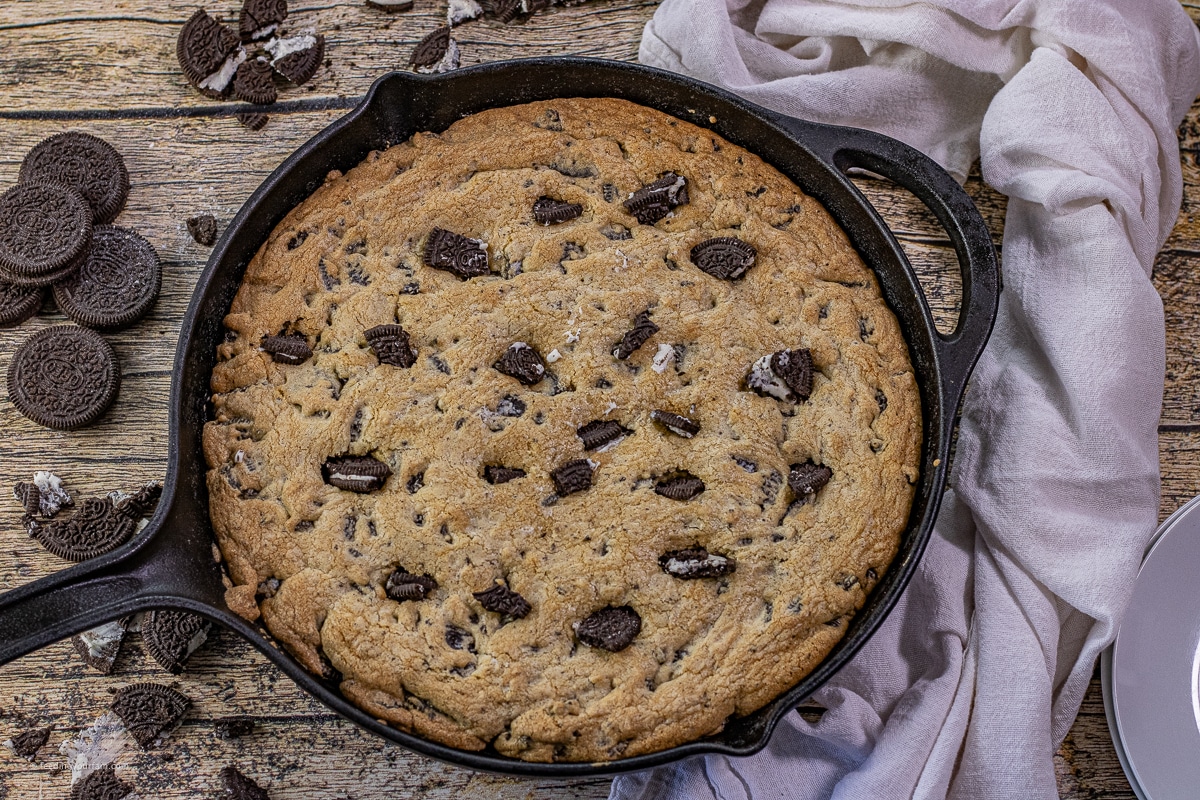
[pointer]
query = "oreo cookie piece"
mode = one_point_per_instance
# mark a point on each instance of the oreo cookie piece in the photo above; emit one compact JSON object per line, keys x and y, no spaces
{"x":654,"y":201}
{"x":361,"y":474}
{"x":725,"y":257}
{"x":103,"y":784}
{"x":87,"y":164}
{"x":611,"y":629}
{"x":149,"y":710}
{"x":203,"y":229}
{"x":601,"y":432}
{"x":239,"y":787}
{"x":806,"y":479}
{"x":19,"y":303}
{"x":255,"y":120}
{"x":297,"y":58}
{"x":63,"y":377}
{"x":291,"y":348}
{"x":170,"y":637}
{"x":503,"y":601}
{"x":95,"y":529}
{"x":549,"y":211}
{"x":260,"y":18}
{"x":254,"y":82}
{"x":695,"y":562}
{"x":116,"y":284}
{"x":435,"y":53}
{"x":404,"y":585}
{"x":45,"y":230}
{"x":29,"y":496}
{"x":457,"y":254}
{"x":26,"y":743}
{"x":676,"y":423}
{"x":679,"y":486}
{"x":522,"y":362}
{"x":785,"y":375}
{"x":100,"y":646}
{"x":495,"y":474}
{"x":573,"y":476}
{"x":642,"y":330}
{"x":209,"y":53}
{"x":391,"y":345}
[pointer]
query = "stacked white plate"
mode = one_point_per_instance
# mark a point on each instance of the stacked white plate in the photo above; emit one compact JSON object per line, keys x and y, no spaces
{"x":1151,"y":674}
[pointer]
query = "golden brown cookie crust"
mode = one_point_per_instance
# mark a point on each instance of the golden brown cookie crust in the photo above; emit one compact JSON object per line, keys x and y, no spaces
{"x":349,"y":258}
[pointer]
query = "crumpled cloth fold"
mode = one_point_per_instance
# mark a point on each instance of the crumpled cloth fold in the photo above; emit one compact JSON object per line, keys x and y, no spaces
{"x":975,"y":678}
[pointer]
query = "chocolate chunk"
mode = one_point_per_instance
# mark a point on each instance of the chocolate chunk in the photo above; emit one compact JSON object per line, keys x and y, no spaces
{"x":253,"y":82}
{"x":611,"y":629}
{"x":95,"y":529}
{"x":239,"y":787}
{"x":549,"y":211}
{"x":503,"y":600}
{"x":807,"y":479}
{"x":392,"y":6}
{"x":116,"y":284}
{"x":19,"y":303}
{"x":695,"y":562}
{"x":573,"y":476}
{"x":655,"y":200}
{"x":260,"y":18}
{"x":45,"y":230}
{"x":458,"y":639}
{"x":725,"y":257}
{"x":457,"y":254}
{"x":431,"y":48}
{"x":149,"y":709}
{"x":203,"y":47}
{"x":522,"y":362}
{"x":100,"y":646}
{"x":391,"y":345}
{"x":29,"y":496}
{"x":233,"y":727}
{"x":85,"y":163}
{"x":203,"y":229}
{"x":291,"y":348}
{"x":170,"y":637}
{"x":403,"y":585}
{"x":63,"y":377}
{"x":26,"y":743}
{"x":297,"y":58}
{"x":254,"y":120}
{"x":642,"y":330}
{"x":496,"y":474}
{"x":785,"y":375}
{"x":600,"y":432}
{"x":359,"y":474}
{"x":676,"y":423}
{"x":102,"y":784}
{"x":679,"y":486}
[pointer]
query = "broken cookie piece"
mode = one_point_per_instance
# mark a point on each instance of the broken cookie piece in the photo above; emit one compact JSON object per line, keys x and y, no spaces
{"x":297,"y":58}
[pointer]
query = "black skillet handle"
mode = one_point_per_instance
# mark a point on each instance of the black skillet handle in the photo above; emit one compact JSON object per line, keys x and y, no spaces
{"x":845,"y":148}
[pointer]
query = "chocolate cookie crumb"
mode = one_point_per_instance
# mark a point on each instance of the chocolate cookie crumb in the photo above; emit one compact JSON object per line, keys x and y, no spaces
{"x":170,"y":637}
{"x":611,"y":629}
{"x":600,"y":432}
{"x":679,"y":486}
{"x":26,"y":743}
{"x":495,"y":474}
{"x":457,"y":254}
{"x":522,"y":362}
{"x":655,"y":200}
{"x":233,"y":727}
{"x":695,"y":562}
{"x":573,"y":476}
{"x":292,"y":348}
{"x":203,"y":228}
{"x":360,"y":474}
{"x":503,"y":600}
{"x":549,"y":211}
{"x":725,"y":257}
{"x":642,"y":330}
{"x":403,"y":585}
{"x":807,"y":479}
{"x":239,"y":787}
{"x":149,"y":710}
{"x":391,"y":345}
{"x":254,"y":120}
{"x":676,"y":423}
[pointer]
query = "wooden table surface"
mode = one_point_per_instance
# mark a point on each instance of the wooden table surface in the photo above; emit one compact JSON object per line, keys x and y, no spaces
{"x":109,"y":68}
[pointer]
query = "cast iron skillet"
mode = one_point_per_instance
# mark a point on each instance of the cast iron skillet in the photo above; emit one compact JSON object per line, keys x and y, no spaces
{"x":171,"y":563}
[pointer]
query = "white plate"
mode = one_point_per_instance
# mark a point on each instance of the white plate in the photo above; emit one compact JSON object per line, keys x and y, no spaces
{"x":1151,"y":674}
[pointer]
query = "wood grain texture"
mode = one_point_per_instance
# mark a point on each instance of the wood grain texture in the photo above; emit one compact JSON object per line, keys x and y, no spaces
{"x":109,"y":68}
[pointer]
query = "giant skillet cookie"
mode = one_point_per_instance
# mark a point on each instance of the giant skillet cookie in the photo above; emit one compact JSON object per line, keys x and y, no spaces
{"x":572,"y":430}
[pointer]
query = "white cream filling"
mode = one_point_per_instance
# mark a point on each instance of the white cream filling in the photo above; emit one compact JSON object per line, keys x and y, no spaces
{"x":553,"y":356}
{"x":281,"y":48}
{"x":448,"y":62}
{"x":663,"y":358}
{"x":95,"y":747}
{"x":221,"y":78}
{"x":462,"y":10}
{"x":763,"y":379}
{"x":53,"y":495}
{"x":101,"y":641}
{"x":677,"y":566}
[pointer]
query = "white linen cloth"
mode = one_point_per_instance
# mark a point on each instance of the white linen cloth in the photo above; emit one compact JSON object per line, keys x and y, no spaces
{"x":1072,"y":106}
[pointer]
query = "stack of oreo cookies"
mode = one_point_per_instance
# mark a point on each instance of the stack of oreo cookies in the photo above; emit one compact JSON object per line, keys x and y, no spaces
{"x":56,"y":236}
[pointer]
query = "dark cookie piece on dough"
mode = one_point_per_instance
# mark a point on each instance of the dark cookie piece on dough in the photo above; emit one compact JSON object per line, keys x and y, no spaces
{"x":260,"y":18}
{"x":573,"y":476}
{"x":103,"y":784}
{"x":95,"y":529}
{"x":457,"y":254}
{"x":254,"y":82}
{"x":116,"y":284}
{"x":202,"y":47}
{"x":239,"y":787}
{"x":149,"y":709}
{"x":45,"y":230}
{"x":404,"y":585}
{"x":676,"y":423}
{"x":655,"y":200}
{"x":549,"y":211}
{"x":170,"y":637}
{"x":503,"y":600}
{"x":63,"y":377}
{"x":431,"y":48}
{"x":611,"y":629}
{"x":496,"y":474}
{"x":19,"y":303}
{"x":298,"y":58}
{"x":522,"y":362}
{"x":254,"y":120}
{"x":359,"y":474}
{"x":807,"y":479}
{"x":695,"y":562}
{"x":725,"y":257}
{"x":26,"y":743}
{"x":679,"y":486}
{"x":391,"y":344}
{"x":291,"y":348}
{"x":600,"y":432}
{"x":203,"y":229}
{"x":785,"y":375}
{"x":87,"y":164}
{"x":642,"y":330}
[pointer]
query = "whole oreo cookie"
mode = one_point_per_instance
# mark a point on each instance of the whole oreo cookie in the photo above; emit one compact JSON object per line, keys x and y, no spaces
{"x":117,"y":283}
{"x":63,"y":377}
{"x":44,"y":230}
{"x":87,"y":164}
{"x":19,"y":303}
